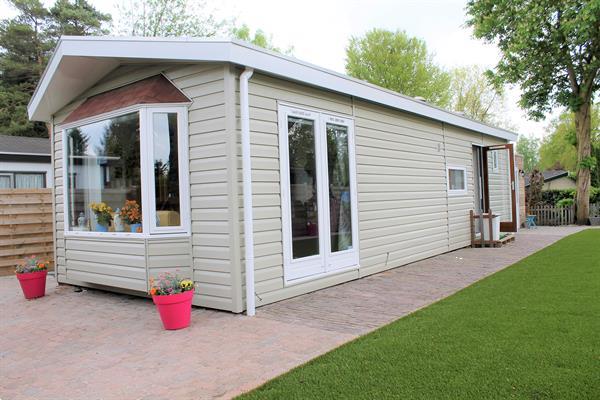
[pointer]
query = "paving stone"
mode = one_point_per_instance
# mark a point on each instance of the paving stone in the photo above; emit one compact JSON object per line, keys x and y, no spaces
{"x":99,"y":345}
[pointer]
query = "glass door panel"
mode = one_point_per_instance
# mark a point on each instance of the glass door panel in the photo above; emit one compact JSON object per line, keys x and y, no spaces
{"x":340,"y":205}
{"x":303,"y":187}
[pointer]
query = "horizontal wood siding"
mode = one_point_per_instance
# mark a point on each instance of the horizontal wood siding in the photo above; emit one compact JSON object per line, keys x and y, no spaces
{"x":25,"y":227}
{"x":110,"y":262}
{"x":401,"y":188}
{"x":459,"y":152}
{"x":211,"y":242}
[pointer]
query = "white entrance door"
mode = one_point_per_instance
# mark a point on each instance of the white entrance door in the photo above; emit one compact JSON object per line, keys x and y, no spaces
{"x":318,"y":188}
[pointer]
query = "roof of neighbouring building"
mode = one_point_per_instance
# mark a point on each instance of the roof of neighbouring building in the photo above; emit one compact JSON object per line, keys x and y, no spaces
{"x":23,"y":145}
{"x":79,"y":62}
{"x":549,"y":175}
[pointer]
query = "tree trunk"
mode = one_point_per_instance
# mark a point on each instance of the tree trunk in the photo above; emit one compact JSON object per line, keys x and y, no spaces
{"x":584,"y":151}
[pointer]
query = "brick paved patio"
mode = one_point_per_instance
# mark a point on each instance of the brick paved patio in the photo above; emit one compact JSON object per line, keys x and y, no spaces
{"x":93,"y":344}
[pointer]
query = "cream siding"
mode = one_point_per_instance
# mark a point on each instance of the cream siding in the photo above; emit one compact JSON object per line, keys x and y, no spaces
{"x":405,"y":213}
{"x":127,"y":263}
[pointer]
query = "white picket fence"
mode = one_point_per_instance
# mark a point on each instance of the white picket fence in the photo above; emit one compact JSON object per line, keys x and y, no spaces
{"x":553,"y":216}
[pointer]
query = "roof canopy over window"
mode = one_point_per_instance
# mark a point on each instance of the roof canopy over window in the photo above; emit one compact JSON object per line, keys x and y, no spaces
{"x":154,"y":90}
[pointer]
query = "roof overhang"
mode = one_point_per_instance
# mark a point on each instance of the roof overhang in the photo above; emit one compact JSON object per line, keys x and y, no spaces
{"x":79,"y":62}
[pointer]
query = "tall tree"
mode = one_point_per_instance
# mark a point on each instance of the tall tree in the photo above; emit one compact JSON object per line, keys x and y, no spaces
{"x":475,"y":96}
{"x":552,"y":49}
{"x":258,"y":38}
{"x":168,"y":18}
{"x":26,"y":43}
{"x":529,"y":147}
{"x":398,"y":62}
{"x":559,"y":148}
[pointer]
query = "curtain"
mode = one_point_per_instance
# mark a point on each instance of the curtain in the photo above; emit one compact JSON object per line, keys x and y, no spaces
{"x":29,"y":181}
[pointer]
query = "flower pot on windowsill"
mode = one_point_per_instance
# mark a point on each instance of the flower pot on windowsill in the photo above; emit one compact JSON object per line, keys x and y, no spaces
{"x":33,"y":284}
{"x":135,"y":227}
{"x":101,"y":228}
{"x":175,"y":309}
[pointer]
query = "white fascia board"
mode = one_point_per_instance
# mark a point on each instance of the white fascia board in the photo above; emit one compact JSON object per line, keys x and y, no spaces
{"x":245,"y":55}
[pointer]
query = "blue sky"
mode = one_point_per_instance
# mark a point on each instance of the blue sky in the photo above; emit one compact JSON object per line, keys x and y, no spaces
{"x":319,"y":30}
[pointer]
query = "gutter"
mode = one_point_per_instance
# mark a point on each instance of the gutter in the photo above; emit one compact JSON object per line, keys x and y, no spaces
{"x":247,"y":178}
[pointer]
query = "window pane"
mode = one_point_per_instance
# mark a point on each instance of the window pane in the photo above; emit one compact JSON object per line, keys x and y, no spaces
{"x":166,"y":170}
{"x":5,"y":182}
{"x":29,"y":181}
{"x":457,"y":179}
{"x":340,"y":210}
{"x":303,"y":187}
{"x":103,"y":166}
{"x":499,"y":184}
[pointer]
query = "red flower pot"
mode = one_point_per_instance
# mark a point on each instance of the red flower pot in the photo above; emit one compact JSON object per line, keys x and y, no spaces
{"x":33,"y":284}
{"x":175,"y":309}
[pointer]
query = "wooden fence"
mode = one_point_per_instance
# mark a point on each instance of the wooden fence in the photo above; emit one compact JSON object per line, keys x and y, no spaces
{"x":553,"y":216}
{"x":25,"y":226}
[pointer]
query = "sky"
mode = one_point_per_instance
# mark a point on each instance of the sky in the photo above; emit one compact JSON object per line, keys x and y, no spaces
{"x":319,"y":31}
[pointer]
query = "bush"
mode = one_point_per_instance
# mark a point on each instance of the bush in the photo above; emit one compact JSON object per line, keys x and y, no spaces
{"x":565,"y":203}
{"x":553,"y":197}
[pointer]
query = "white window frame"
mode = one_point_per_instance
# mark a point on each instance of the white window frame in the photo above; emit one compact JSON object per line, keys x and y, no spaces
{"x":325,"y":263}
{"x":456,"y":192}
{"x":147,"y":171}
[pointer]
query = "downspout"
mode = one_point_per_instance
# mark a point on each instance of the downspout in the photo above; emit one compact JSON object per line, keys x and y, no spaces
{"x":247,"y":178}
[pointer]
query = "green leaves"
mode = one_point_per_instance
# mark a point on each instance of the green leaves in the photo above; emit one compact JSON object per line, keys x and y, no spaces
{"x":26,"y":43}
{"x":398,"y":62}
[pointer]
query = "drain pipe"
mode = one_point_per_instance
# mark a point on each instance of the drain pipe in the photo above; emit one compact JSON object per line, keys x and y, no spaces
{"x":247,"y":177}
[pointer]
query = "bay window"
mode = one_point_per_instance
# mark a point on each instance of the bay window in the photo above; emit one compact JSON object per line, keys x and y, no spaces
{"x":126,"y":173}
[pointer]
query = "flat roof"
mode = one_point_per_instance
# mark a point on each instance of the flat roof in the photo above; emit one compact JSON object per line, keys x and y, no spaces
{"x":79,"y":62}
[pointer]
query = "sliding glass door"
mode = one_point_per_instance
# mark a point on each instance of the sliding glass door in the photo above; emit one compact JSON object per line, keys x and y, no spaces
{"x":318,"y":192}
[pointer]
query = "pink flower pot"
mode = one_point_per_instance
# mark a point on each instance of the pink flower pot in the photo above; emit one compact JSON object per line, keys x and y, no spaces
{"x":33,"y":284}
{"x":175,"y":309}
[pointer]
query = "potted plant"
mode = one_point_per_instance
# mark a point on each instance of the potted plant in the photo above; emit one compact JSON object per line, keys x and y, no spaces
{"x":103,"y":213}
{"x":31,"y":274}
{"x":132,"y":215}
{"x":173,"y":298}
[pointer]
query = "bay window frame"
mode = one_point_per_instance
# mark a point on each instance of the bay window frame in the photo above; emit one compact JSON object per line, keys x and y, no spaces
{"x":147,"y":171}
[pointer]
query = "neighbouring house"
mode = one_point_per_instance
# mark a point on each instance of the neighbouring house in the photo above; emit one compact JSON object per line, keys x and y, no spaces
{"x":555,"y":179}
{"x":260,"y":176}
{"x":25,"y":162}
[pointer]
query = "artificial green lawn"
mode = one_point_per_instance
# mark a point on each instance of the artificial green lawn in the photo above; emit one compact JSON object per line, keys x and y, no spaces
{"x":531,"y":331}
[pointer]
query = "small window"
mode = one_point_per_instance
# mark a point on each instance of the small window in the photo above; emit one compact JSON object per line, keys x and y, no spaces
{"x":457,"y":180}
{"x":22,"y":180}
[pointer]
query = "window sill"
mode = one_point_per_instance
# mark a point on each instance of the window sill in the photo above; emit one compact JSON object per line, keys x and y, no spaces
{"x":123,"y":235}
{"x":316,"y":277}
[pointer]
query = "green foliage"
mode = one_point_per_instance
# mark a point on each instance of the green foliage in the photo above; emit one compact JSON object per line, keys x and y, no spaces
{"x":398,"y":62}
{"x":168,"y":18}
{"x":559,"y":149}
{"x":528,"y":147}
{"x":550,"y":48}
{"x":527,"y":332}
{"x":26,"y":43}
{"x":554,"y":196}
{"x":565,"y":202}
{"x":259,"y":38}
{"x":475,"y":96}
